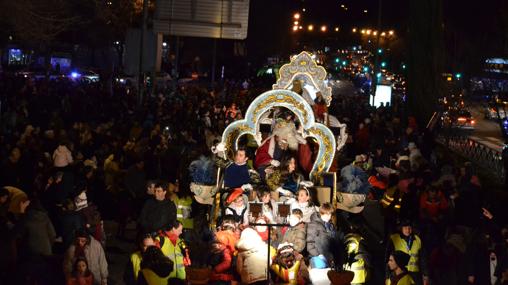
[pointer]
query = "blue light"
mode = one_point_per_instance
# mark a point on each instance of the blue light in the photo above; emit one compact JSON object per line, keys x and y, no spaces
{"x":378,"y":75}
{"x":354,"y":48}
{"x":365,"y":69}
{"x":74,"y":74}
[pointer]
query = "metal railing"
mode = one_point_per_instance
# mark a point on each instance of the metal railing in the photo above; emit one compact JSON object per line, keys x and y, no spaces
{"x":476,"y":152}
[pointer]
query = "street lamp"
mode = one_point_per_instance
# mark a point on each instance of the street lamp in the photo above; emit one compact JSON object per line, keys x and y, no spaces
{"x":310,"y":28}
{"x":296,"y":16}
{"x":295,"y":28}
{"x":336,"y":29}
{"x":323,"y":28}
{"x":391,"y":32}
{"x":354,"y":30}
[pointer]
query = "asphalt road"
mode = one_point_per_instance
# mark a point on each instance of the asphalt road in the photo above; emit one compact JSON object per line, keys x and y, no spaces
{"x":486,"y":131}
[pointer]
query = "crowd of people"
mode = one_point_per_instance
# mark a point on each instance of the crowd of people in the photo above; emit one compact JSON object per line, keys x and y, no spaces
{"x":74,"y":156}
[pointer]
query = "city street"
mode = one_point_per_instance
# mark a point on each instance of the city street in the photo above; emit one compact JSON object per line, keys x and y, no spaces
{"x":486,"y":131}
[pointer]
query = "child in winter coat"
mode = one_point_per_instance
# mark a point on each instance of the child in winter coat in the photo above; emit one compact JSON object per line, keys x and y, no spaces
{"x":221,"y":259}
{"x":81,"y":275}
{"x":320,"y":237}
{"x":252,"y":256}
{"x":297,"y":232}
{"x":304,"y":203}
{"x":236,"y":206}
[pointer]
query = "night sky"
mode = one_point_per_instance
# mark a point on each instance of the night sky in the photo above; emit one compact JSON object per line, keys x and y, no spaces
{"x":471,"y":28}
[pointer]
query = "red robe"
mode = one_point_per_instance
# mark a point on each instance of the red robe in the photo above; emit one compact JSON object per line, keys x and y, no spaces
{"x":264,"y":155}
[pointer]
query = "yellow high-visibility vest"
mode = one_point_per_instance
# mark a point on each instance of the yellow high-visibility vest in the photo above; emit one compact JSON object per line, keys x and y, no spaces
{"x":358,"y":267}
{"x":152,"y":278}
{"x":183,"y":211}
{"x":401,"y":244}
{"x":388,"y":198}
{"x":173,"y":252}
{"x":136,"y":263}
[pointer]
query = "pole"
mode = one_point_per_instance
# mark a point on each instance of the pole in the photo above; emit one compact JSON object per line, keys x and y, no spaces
{"x":376,"y":58}
{"x":141,"y":47}
{"x":269,"y":258}
{"x":268,"y":261}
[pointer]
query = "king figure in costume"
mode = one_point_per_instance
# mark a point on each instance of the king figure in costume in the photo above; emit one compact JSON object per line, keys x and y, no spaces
{"x":284,"y":138}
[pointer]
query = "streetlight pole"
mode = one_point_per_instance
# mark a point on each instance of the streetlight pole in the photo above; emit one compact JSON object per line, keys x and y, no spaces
{"x":376,"y":58}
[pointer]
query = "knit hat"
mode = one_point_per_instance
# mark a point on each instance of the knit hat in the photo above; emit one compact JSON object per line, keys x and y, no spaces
{"x":401,"y":258}
{"x":285,"y":247}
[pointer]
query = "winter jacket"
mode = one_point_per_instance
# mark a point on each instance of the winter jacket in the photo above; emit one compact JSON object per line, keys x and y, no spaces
{"x":297,"y":236}
{"x":229,"y":239}
{"x":157,"y":215}
{"x":320,"y":237}
{"x":62,"y":156}
{"x":252,"y":257}
{"x":221,"y":262}
{"x":95,"y":256}
{"x":37,"y":232}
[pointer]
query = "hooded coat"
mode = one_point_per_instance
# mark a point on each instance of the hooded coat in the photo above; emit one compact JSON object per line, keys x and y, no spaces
{"x":297,"y":236}
{"x":62,"y":156}
{"x":319,"y":238}
{"x":252,"y":257}
{"x":95,"y":256}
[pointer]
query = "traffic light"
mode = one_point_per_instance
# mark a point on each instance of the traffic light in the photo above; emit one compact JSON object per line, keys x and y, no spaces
{"x":458,"y":75}
{"x":383,"y":64}
{"x":337,"y":60}
{"x":403,"y":66}
{"x":379,"y":50}
{"x":365,"y":69}
{"x":344,"y":63}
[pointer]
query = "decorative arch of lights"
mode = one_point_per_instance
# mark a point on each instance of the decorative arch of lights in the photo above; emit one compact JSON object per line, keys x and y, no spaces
{"x":300,"y":65}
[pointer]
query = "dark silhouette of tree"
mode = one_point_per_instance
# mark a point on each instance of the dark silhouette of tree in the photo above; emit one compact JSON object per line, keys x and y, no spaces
{"x":425,"y":58}
{"x":38,"y":22}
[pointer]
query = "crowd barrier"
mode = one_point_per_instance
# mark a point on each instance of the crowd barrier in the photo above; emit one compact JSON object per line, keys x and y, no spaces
{"x":476,"y":152}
